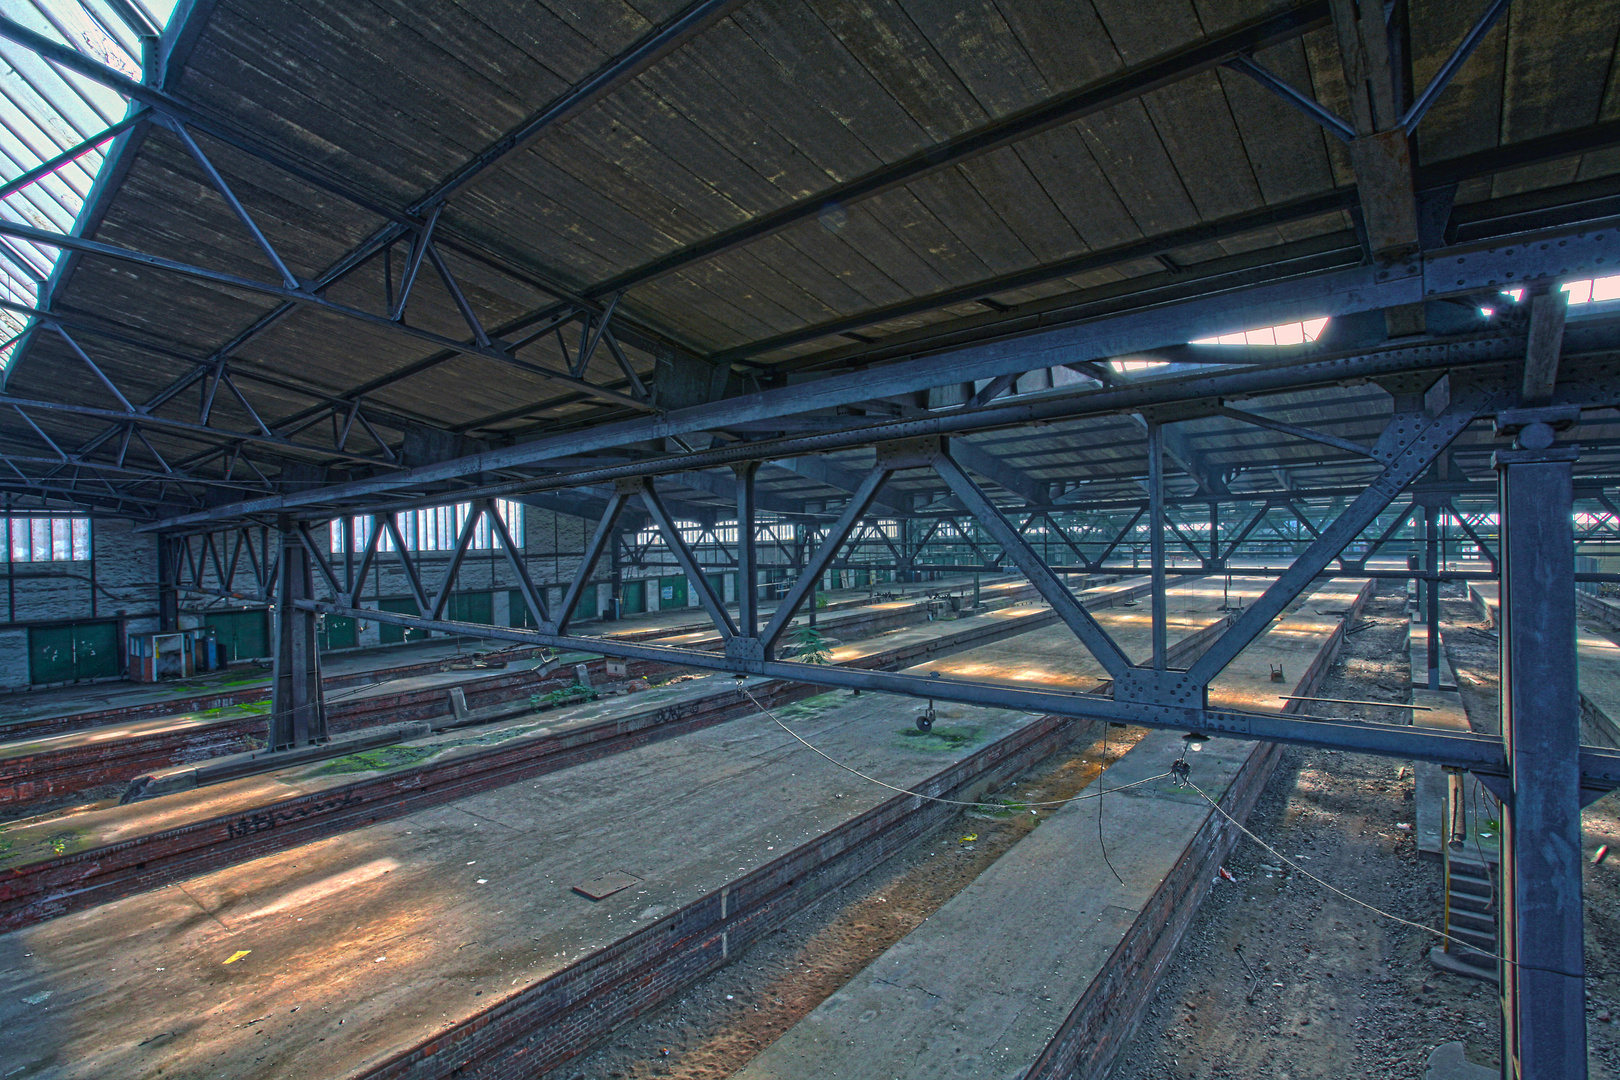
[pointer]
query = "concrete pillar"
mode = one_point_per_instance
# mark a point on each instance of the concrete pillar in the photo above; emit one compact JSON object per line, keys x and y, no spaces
{"x":1543,"y":986}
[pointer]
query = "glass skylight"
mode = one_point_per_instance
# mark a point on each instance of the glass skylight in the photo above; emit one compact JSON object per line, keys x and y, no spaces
{"x":47,"y":111}
{"x":1294,"y":333}
{"x":1593,"y":291}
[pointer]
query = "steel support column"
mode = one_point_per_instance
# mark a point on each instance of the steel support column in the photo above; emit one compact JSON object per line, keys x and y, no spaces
{"x":1431,"y":594}
{"x":747,"y":561}
{"x":1543,"y":984}
{"x":1156,"y":524}
{"x":297,"y":706}
{"x":168,"y":596}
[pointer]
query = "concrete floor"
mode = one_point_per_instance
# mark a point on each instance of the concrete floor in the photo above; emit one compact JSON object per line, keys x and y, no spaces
{"x":383,"y":936}
{"x":44,"y":836}
{"x":982,"y":987}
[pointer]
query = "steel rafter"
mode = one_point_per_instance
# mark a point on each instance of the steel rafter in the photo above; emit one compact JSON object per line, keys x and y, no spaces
{"x":1599,"y":767}
{"x":1441,"y":272}
{"x":1410,"y":443}
{"x":1071,"y":611}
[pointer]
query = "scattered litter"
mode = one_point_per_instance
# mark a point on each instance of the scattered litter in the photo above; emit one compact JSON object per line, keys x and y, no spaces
{"x":39,"y":998}
{"x":728,"y":997}
{"x":1403,"y":826}
{"x":260,"y":1020}
{"x":1271,"y":869}
{"x":379,"y":959}
{"x":483,"y":881}
{"x":155,"y":1038}
{"x":1227,"y":874}
{"x":969,"y":838}
{"x":472,"y":862}
{"x":235,"y":956}
{"x":1600,"y":854}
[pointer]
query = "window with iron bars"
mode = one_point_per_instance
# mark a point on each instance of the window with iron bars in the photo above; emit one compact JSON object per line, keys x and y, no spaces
{"x":433,"y":529}
{"x":48,"y":539}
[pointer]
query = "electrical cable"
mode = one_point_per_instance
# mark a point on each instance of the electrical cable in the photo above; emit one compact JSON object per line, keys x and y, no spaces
{"x":1380,"y":911}
{"x":934,"y":798}
{"x":1101,"y":846}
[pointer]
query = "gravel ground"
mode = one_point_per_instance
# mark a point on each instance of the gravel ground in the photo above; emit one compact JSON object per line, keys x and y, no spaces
{"x":1322,"y":987}
{"x":717,"y":1025}
{"x":1277,"y":978}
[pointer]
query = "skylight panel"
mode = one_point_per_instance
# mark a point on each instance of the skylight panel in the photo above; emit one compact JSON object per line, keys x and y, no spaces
{"x":1294,"y":333}
{"x":1594,"y":290}
{"x":45,"y":111}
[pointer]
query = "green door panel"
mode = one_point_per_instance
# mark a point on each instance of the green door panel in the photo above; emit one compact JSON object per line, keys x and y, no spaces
{"x":87,"y":650}
{"x":95,"y":651}
{"x":671,"y":593}
{"x":242,"y":635}
{"x":633,"y":597}
{"x":50,"y":654}
{"x":517,"y":610}
{"x":339,"y":632}
{"x":475,"y":607}
{"x":389,"y":634}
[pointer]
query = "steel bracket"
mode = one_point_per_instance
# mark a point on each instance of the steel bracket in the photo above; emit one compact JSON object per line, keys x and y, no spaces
{"x":1168,"y":689}
{"x":920,"y":453}
{"x":1510,"y":422}
{"x":744,"y":648}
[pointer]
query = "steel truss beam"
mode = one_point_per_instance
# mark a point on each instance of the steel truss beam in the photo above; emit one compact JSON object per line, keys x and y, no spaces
{"x":1410,"y":443}
{"x":304,"y":295}
{"x":1438,"y":273}
{"x":1054,"y":591}
{"x":1599,"y":767}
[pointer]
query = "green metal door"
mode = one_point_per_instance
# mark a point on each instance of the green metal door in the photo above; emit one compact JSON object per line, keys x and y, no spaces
{"x":50,"y":654}
{"x":339,"y":632}
{"x":475,"y":607}
{"x":77,"y":651}
{"x":242,"y":635}
{"x":388,"y":634}
{"x":671,"y":593}
{"x":717,"y":582}
{"x":633,"y":597}
{"x":517,"y":610}
{"x":95,"y":651}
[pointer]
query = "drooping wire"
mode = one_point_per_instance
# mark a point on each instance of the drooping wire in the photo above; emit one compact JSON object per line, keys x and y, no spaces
{"x":1380,"y":911}
{"x":933,"y":798}
{"x":1101,"y":846}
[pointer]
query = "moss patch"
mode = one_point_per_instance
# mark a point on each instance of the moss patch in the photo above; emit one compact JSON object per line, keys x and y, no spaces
{"x":998,"y":808}
{"x":811,"y":706}
{"x":942,"y":738}
{"x":383,"y":757}
{"x":251,"y":708}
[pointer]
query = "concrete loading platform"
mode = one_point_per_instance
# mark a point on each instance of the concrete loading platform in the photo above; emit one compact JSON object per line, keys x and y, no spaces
{"x":61,"y":861}
{"x":451,"y":938}
{"x":50,"y":753}
{"x":1040,"y":968}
